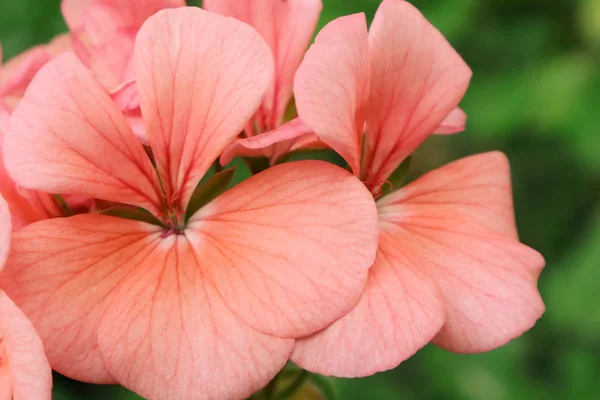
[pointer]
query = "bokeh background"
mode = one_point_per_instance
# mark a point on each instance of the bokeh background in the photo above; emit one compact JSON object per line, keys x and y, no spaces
{"x":535,"y":95}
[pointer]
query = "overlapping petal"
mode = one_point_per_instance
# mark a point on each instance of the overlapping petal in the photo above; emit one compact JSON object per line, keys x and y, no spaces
{"x":449,"y":269}
{"x":289,"y":248}
{"x":400,"y":311}
{"x":102,"y":160}
{"x":206,"y":313}
{"x":104,"y":33}
{"x":331,"y":86}
{"x":287,"y":27}
{"x":201,"y":76}
{"x":462,"y":217}
{"x":24,"y":373}
{"x":276,"y":143}
{"x":455,"y":122}
{"x":26,"y":206}
{"x":417,"y":79}
{"x":24,"y":370}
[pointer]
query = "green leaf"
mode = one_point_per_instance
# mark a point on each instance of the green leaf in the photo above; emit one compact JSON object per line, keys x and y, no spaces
{"x":397,"y":177}
{"x":207,"y":191}
{"x":136,"y":214}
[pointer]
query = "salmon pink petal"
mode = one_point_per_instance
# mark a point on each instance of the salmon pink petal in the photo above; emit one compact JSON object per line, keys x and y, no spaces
{"x":280,"y":264}
{"x":417,"y":79}
{"x":104,"y":33}
{"x":16,"y":74}
{"x":26,"y":206}
{"x":62,"y":272}
{"x":5,"y":229}
{"x":331,"y":86}
{"x":399,"y":312}
{"x":454,"y":123}
{"x":24,"y":370}
{"x":169,"y":334}
{"x":278,"y":142}
{"x":461,"y":218}
{"x":201,"y":77}
{"x":102,"y":160}
{"x":287,"y":27}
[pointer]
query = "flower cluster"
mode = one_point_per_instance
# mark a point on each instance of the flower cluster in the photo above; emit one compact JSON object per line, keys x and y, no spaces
{"x":130,"y":260}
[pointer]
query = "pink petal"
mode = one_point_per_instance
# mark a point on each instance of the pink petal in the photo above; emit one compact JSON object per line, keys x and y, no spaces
{"x":399,"y":312}
{"x":5,"y":229}
{"x":62,"y":273}
{"x":25,"y":374}
{"x":274,"y":144}
{"x":16,"y":74}
{"x":106,"y":290}
{"x":102,"y":160}
{"x":454,"y":123}
{"x":287,"y":27}
{"x":74,"y":11}
{"x":331,"y":86}
{"x":461,"y":218}
{"x":417,"y":79}
{"x":201,"y":77}
{"x":168,"y":334}
{"x":293,"y":246}
{"x":26,"y":206}
{"x":104,"y":33}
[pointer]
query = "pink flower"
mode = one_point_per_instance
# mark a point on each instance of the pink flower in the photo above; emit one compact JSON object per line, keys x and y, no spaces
{"x":200,"y":307}
{"x":16,"y":73}
{"x":103,"y":33}
{"x":24,"y":370}
{"x":287,"y":27}
{"x":450,"y":268}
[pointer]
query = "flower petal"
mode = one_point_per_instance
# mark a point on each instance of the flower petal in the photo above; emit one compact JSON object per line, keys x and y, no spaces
{"x":287,"y":27}
{"x":102,"y":160}
{"x":28,"y":369}
{"x":201,"y":77}
{"x":62,"y":272}
{"x":399,"y":312}
{"x":275,"y":143}
{"x":417,"y":79}
{"x":331,"y":86}
{"x":168,"y":334}
{"x":455,"y":122}
{"x":104,"y":33}
{"x":289,"y":248}
{"x":461,"y":217}
{"x":5,"y":229}
{"x":26,"y":206}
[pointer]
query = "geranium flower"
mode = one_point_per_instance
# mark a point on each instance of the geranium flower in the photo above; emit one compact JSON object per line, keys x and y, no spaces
{"x":450,"y":268}
{"x":205,"y":305}
{"x":103,"y":33}
{"x":24,"y":370}
{"x":287,"y":27}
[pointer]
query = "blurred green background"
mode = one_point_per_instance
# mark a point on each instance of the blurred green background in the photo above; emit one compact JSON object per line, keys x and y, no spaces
{"x":535,"y":95}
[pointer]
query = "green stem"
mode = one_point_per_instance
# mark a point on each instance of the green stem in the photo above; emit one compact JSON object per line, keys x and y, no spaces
{"x":257,"y":164}
{"x":293,"y":387}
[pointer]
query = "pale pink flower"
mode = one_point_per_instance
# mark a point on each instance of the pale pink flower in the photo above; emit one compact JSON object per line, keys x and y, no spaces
{"x":287,"y":27}
{"x":200,"y":307}
{"x":103,"y":33}
{"x":24,"y":370}
{"x":450,"y":268}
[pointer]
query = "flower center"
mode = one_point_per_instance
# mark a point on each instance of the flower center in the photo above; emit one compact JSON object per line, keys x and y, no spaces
{"x":376,"y":187}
